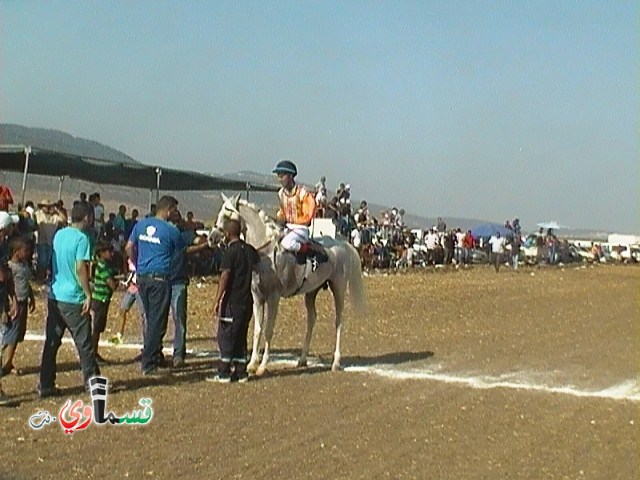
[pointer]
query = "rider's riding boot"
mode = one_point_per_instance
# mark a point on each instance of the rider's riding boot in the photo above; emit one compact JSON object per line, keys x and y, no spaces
{"x":302,"y":254}
{"x":314,"y":250}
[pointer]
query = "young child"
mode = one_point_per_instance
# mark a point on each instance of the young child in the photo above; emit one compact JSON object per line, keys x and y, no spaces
{"x":104,"y":284}
{"x":20,"y":256}
{"x":128,"y":300}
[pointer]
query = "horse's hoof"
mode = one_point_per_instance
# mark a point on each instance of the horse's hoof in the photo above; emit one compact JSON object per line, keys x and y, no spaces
{"x":260,"y":371}
{"x":252,"y":368}
{"x":302,"y":363}
{"x":336,"y":367}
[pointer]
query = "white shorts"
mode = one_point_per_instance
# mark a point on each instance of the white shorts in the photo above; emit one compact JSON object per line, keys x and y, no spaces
{"x":294,"y":238}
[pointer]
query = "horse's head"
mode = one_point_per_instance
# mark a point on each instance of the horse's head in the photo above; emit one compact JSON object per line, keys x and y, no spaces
{"x":228,"y":211}
{"x":256,"y":227}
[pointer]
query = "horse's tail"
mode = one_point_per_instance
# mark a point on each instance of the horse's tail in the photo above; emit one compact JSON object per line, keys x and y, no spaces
{"x":356,"y":285}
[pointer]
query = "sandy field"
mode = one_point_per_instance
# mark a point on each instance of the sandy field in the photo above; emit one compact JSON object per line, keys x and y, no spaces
{"x":462,"y":374}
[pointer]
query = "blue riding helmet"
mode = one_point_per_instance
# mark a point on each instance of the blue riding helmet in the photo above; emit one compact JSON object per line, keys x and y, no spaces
{"x":285,"y":166}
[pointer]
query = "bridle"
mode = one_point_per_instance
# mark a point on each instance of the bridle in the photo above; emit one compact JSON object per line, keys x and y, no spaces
{"x":258,"y":249}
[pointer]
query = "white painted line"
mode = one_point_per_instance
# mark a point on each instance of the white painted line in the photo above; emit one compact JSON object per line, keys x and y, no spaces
{"x":278,"y":358}
{"x":628,"y":390}
{"x":37,"y":337}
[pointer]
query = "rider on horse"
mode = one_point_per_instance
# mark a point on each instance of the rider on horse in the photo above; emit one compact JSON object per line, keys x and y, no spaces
{"x":297,"y":210}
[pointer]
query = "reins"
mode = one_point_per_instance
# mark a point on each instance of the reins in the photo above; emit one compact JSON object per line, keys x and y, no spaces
{"x":265,"y":245}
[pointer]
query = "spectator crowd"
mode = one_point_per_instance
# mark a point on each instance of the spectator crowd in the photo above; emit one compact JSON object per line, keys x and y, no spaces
{"x":83,"y":255}
{"x":384,"y":241}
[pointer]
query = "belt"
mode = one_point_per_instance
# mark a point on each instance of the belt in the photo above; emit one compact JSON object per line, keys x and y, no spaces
{"x":154,"y":276}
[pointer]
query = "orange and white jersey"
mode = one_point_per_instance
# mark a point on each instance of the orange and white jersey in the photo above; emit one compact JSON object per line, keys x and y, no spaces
{"x":297,"y":207}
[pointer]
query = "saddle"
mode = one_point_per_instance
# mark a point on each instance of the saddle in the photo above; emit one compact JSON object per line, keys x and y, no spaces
{"x":293,"y":269}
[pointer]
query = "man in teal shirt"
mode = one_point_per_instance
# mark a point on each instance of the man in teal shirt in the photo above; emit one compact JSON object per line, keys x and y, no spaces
{"x":69,"y":300}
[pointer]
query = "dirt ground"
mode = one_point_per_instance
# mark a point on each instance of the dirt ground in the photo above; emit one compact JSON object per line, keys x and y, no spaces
{"x":561,"y":327}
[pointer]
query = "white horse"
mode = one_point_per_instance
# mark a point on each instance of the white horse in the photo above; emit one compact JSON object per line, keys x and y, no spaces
{"x":342,"y":270}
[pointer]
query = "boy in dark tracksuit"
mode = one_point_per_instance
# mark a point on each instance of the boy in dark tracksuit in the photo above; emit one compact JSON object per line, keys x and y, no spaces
{"x":234,"y":305}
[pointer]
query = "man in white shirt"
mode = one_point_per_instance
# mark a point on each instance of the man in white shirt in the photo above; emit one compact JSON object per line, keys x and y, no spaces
{"x":98,"y":209}
{"x":497,"y":243}
{"x":321,"y":195}
{"x":459,"y":245}
{"x":356,"y":238}
{"x":431,"y":241}
{"x":398,"y":219}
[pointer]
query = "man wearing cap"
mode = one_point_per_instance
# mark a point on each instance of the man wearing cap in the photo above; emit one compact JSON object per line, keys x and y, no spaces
{"x":48,"y":219}
{"x":297,"y":209}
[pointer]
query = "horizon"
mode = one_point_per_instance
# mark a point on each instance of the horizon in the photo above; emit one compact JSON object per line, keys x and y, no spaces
{"x":461,"y":110}
{"x":424,"y":221}
{"x":264,"y":178}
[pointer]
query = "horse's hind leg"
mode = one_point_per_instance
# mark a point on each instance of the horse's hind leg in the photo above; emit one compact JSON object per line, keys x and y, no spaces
{"x":258,"y":319}
{"x":338,"y":290}
{"x":310,"y":304}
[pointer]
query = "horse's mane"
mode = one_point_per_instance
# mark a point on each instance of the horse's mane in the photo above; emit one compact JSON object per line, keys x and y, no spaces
{"x":273,"y":229}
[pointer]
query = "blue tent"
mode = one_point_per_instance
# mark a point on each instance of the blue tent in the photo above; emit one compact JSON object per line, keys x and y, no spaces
{"x":489,"y":229}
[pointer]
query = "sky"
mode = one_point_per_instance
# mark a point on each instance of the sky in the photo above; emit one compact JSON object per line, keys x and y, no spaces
{"x":475,"y":109}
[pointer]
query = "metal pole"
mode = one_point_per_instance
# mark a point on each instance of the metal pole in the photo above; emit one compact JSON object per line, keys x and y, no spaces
{"x":158,"y":175}
{"x":27,"y":152}
{"x":248,"y":188}
{"x":60,"y":187}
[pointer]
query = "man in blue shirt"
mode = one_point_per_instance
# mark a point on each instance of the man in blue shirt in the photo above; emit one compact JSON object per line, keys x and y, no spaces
{"x":151,"y":247}
{"x":69,"y":300}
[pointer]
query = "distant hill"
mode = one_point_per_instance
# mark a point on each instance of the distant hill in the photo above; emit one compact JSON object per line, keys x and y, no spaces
{"x":59,"y":141}
{"x":204,"y":204}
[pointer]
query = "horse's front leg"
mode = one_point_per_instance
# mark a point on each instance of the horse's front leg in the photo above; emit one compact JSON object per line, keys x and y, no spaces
{"x":269,"y":325}
{"x":258,"y":318}
{"x":310,"y":304}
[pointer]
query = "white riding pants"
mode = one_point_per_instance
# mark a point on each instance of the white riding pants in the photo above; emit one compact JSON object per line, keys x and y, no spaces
{"x":294,"y":238}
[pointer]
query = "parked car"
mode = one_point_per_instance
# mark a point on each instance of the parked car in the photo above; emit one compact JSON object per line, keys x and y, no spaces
{"x":623,"y":253}
{"x":479,"y":256}
{"x":584,"y":253}
{"x":567,"y":253}
{"x":529,"y":250}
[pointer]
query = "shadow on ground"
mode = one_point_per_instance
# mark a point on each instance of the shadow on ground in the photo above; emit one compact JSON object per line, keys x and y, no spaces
{"x":391,"y":358}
